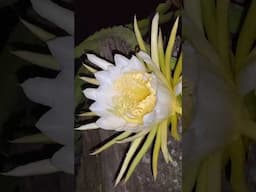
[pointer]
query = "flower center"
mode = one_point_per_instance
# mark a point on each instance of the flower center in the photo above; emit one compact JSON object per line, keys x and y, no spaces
{"x":135,"y":96}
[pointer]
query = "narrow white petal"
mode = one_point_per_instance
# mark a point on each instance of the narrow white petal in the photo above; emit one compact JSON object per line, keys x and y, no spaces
{"x":88,"y":127}
{"x":99,"y":108}
{"x":103,"y":77}
{"x":145,"y":57}
{"x":135,"y":64}
{"x":38,"y":89}
{"x":64,"y":160}
{"x":103,"y":64}
{"x":120,"y":60}
{"x":110,"y":122}
{"x":60,"y":16}
{"x":35,"y":168}
{"x":90,"y":93}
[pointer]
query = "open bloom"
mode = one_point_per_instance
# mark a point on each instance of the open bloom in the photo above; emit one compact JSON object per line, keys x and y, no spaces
{"x":128,"y":97}
{"x":140,"y":96}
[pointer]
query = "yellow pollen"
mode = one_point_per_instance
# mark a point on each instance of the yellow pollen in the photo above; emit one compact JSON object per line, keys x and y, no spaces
{"x":135,"y":96}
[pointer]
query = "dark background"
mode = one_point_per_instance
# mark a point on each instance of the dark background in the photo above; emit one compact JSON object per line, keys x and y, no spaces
{"x":93,"y":15}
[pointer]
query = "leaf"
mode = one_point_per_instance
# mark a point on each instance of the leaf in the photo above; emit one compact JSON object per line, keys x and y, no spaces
{"x":93,"y":42}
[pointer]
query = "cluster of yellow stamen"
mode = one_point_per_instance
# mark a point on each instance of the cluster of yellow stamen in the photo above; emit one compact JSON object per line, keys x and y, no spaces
{"x":135,"y":96}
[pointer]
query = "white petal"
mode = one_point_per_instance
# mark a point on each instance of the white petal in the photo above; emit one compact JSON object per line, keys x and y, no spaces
{"x":88,"y":127}
{"x":120,"y":60}
{"x":64,"y":160}
{"x":178,"y":88}
{"x":145,"y":57}
{"x":38,"y":89}
{"x":35,"y":168}
{"x":149,"y":119}
{"x":163,"y":105}
{"x":103,"y":77}
{"x":103,"y":64}
{"x":90,"y":93}
{"x":60,"y":16}
{"x":135,"y":64}
{"x":58,"y":125}
{"x":110,"y":122}
{"x":100,"y":108}
{"x":248,"y":78}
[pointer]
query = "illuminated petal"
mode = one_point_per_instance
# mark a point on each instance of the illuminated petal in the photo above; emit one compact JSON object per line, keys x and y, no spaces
{"x":102,"y":77}
{"x":163,"y":105}
{"x":103,"y":64}
{"x":135,"y":64}
{"x":120,"y":60}
{"x":110,"y":122}
{"x":90,"y":93}
{"x":178,"y":89}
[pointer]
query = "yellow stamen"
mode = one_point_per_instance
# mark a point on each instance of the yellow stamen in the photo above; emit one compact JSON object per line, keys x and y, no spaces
{"x":135,"y":97}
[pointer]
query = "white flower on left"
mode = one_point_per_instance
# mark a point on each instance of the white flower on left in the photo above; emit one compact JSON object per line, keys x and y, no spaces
{"x":128,"y":97}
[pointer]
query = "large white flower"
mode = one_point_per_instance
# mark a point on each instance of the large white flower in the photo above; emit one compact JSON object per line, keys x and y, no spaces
{"x":138,"y":96}
{"x":128,"y":97}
